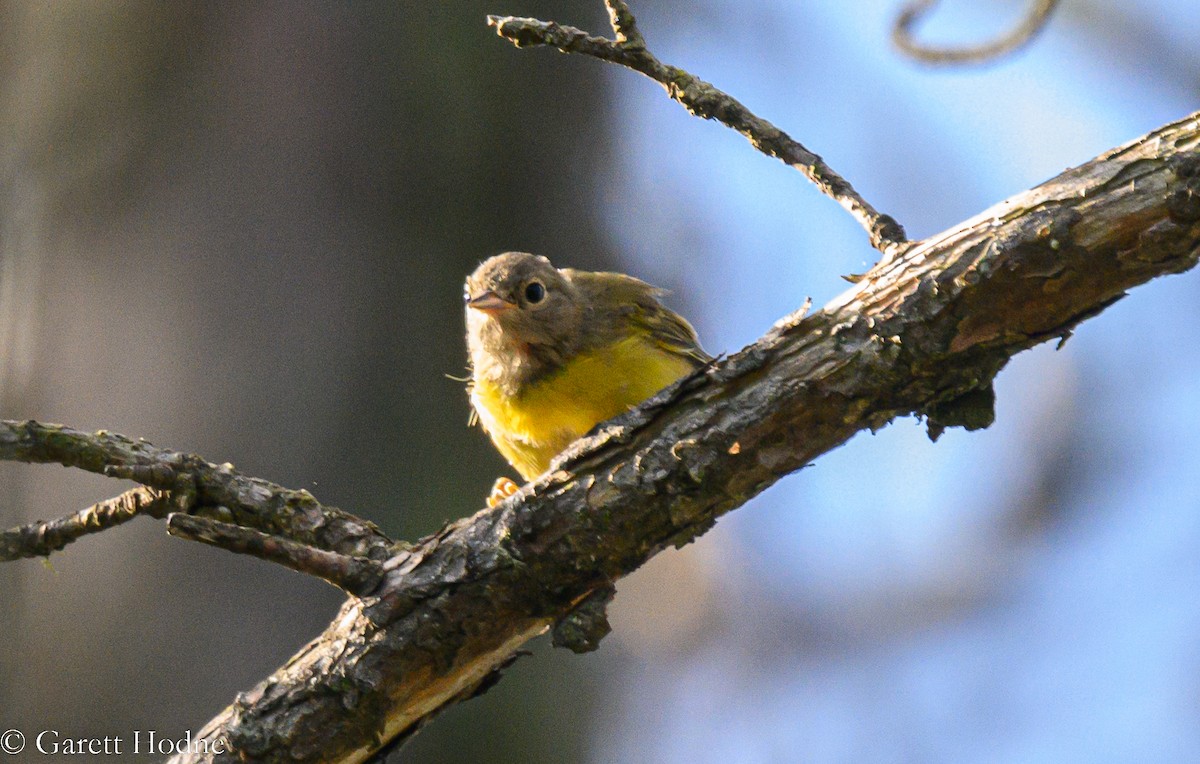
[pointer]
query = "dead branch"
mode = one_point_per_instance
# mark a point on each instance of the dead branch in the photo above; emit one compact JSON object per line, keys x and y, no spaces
{"x":923,"y":334}
{"x":197,"y":486}
{"x":40,"y":538}
{"x":703,"y":100}
{"x":353,"y":575}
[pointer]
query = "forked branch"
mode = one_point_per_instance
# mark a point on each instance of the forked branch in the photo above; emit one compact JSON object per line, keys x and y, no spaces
{"x":176,"y":482}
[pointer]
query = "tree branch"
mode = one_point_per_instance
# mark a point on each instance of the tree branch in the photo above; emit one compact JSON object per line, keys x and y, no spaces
{"x":911,"y":15}
{"x":196,"y":484}
{"x":926,"y":334}
{"x":354,"y":575}
{"x":703,"y":100}
{"x":40,"y":538}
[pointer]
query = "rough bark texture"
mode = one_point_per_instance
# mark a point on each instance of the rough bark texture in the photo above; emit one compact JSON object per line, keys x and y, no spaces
{"x":193,"y":484}
{"x":925,"y":332}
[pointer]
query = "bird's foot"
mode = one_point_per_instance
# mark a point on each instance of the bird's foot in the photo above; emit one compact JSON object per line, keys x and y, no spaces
{"x":503,"y":488}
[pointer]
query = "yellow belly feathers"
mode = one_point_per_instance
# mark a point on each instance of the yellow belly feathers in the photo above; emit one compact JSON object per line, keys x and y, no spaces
{"x":531,"y":428}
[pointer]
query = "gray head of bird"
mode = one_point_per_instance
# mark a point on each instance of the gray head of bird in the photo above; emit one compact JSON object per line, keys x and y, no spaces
{"x":524,"y":317}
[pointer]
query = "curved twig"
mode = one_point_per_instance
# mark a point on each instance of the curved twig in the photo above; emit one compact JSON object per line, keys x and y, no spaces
{"x":904,"y":39}
{"x":703,"y":100}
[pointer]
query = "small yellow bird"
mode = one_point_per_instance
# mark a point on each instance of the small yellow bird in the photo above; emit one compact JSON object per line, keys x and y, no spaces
{"x":554,"y":352}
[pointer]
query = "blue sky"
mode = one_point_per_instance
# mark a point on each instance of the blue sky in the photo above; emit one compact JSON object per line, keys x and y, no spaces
{"x":942,"y":634}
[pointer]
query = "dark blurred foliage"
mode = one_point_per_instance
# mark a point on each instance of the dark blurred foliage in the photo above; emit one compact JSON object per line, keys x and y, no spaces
{"x":241,"y":229}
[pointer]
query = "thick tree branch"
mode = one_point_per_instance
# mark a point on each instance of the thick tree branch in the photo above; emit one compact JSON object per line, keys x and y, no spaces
{"x":703,"y":100}
{"x":926,"y":334}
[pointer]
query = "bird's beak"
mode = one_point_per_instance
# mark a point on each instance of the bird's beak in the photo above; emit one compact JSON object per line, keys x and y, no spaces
{"x":491,"y":303}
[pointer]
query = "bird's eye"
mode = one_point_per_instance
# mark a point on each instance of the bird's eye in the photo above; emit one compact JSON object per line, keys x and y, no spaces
{"x":535,"y":292}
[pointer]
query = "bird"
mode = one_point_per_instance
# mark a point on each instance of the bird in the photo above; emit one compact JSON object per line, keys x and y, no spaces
{"x":553,"y":352}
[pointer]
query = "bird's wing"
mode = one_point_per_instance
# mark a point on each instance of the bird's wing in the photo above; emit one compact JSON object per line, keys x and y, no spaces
{"x":639,"y":306}
{"x":670,"y":331}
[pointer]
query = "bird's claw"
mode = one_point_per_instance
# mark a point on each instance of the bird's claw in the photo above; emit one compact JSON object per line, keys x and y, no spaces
{"x":501,"y":490}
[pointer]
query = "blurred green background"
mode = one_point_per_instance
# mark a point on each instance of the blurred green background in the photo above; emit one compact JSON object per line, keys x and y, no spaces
{"x":240,"y":229}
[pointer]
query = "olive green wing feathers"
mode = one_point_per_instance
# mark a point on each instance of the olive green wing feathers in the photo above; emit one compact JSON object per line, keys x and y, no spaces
{"x":635,"y":304}
{"x":671,"y":331}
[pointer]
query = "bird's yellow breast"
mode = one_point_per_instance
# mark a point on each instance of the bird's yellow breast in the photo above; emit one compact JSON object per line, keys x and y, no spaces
{"x":530,"y":428}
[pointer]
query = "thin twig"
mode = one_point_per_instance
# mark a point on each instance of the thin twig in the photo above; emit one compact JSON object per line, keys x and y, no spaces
{"x":40,"y":538}
{"x":624,"y":24}
{"x":911,"y":15}
{"x":354,"y":575}
{"x":703,"y":100}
